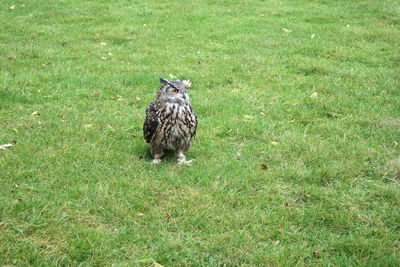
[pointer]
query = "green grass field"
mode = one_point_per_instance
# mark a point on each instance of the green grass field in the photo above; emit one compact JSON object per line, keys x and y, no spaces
{"x":297,"y":158}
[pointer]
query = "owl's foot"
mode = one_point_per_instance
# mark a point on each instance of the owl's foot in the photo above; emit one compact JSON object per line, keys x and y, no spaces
{"x":182,"y":162}
{"x":157,"y":157}
{"x":182,"y":159}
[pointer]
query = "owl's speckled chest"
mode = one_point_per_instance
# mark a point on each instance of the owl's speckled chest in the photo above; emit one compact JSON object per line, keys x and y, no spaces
{"x":177,"y":120}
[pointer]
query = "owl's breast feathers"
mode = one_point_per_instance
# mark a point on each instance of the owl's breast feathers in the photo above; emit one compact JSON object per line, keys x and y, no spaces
{"x":174,"y":123}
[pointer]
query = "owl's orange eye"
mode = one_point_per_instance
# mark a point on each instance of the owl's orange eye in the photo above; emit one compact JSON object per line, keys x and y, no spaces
{"x":175,"y":91}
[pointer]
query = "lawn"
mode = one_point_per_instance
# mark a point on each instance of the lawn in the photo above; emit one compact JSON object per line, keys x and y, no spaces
{"x":297,"y":154}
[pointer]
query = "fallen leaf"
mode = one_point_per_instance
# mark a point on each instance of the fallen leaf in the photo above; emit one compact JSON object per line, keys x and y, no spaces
{"x":274,"y":143}
{"x":117,"y":98}
{"x":264,"y":166}
{"x":103,"y":58}
{"x":5,"y":146}
{"x":103,"y":43}
{"x":15,"y":130}
{"x":140,"y":214}
{"x":88,"y":126}
{"x":286,"y":30}
{"x":156,"y":264}
{"x":47,"y":64}
{"x":277,"y":242}
{"x":312,"y":35}
{"x":262,"y":114}
{"x":96,"y":94}
{"x":146,"y":261}
{"x":280,"y":230}
{"x":12,"y":7}
{"x":187,"y":83}
{"x":35,"y":113}
{"x":218,"y":177}
{"x":11,"y":58}
{"x":316,"y":254}
{"x":314,"y":95}
{"x":138,"y":98}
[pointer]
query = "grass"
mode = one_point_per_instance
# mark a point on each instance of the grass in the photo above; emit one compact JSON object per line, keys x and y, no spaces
{"x":297,"y":158}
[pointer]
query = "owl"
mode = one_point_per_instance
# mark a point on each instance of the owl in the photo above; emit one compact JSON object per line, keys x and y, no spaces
{"x":170,"y":122}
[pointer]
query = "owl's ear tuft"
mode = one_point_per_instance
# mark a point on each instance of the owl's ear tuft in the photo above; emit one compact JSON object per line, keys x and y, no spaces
{"x":163,"y":81}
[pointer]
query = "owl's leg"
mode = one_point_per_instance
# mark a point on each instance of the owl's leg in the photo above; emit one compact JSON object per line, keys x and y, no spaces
{"x":157,"y":154}
{"x":157,"y":158}
{"x":182,"y":158}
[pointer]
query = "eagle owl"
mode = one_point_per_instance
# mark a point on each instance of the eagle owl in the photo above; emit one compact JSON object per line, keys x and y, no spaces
{"x":170,"y":121}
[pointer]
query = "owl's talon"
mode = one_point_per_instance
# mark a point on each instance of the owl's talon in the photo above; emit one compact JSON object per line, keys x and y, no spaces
{"x":156,"y":161}
{"x":185,"y":162}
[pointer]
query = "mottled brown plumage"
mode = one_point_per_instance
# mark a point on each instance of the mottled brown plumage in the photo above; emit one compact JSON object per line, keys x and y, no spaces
{"x":170,"y":121}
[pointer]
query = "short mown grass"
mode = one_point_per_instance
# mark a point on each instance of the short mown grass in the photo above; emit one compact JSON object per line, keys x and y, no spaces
{"x":297,"y":158}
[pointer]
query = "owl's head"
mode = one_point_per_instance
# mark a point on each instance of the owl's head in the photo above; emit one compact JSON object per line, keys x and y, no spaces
{"x":175,"y":90}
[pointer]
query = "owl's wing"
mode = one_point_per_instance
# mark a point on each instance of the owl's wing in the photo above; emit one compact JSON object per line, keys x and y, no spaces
{"x":193,"y":123}
{"x":151,"y":123}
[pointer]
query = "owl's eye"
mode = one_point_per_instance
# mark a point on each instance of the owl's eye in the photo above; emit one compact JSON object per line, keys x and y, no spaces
{"x":175,"y":91}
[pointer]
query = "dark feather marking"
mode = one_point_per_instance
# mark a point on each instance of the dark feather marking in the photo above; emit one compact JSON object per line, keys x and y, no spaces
{"x":151,"y":123}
